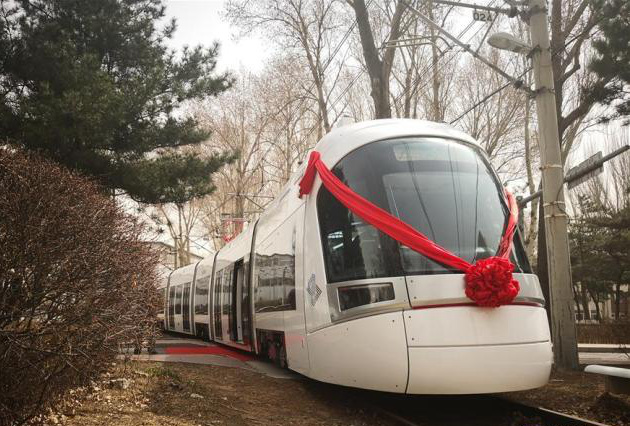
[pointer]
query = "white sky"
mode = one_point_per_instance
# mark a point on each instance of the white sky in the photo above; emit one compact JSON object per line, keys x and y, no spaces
{"x":201,"y":22}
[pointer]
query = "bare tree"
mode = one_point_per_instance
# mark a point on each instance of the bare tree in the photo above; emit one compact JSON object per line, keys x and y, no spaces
{"x":238,"y":122}
{"x":495,"y":123}
{"x":379,"y":58}
{"x":291,"y":130}
{"x":602,"y":204}
{"x":180,"y":221}
{"x":424,"y":77}
{"x":308,"y":28}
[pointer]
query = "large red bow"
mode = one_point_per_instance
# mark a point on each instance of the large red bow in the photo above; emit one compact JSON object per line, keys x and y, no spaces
{"x":489,"y":282}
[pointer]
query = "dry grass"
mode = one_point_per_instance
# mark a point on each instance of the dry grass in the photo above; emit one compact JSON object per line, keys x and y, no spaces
{"x":160,"y":394}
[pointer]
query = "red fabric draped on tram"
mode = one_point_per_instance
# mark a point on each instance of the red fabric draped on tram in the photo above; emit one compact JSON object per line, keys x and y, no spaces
{"x":489,"y":282}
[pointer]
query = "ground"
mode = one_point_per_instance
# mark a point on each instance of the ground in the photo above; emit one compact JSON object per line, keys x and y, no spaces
{"x":152,"y":394}
{"x":579,"y":394}
{"x":190,"y":394}
{"x":199,"y":383}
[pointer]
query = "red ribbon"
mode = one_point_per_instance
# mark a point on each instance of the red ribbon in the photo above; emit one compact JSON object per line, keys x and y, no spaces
{"x":489,"y":281}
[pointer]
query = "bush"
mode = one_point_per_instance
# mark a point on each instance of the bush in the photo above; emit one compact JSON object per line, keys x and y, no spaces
{"x":607,"y":332}
{"x":75,"y":283}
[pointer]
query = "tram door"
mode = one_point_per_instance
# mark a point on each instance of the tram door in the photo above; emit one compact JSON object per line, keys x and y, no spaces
{"x":237,"y":298}
{"x":186,"y":307}
{"x":245,"y":314}
{"x":226,"y":302}
{"x":217,"y":303}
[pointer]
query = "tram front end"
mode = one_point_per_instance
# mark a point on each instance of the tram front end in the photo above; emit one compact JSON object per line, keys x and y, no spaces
{"x":402,"y":321}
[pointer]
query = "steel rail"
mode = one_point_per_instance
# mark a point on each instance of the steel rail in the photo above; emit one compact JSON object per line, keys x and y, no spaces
{"x":546,"y":416}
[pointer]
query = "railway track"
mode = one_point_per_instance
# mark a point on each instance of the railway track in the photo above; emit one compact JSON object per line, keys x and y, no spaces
{"x":479,"y":410}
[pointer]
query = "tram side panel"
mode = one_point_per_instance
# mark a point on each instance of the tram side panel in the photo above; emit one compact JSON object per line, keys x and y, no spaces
{"x":294,"y":320}
{"x":278,"y":298}
{"x":362,"y":351}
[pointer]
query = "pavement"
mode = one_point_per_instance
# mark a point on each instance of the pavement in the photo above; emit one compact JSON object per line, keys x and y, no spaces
{"x":604,"y":354}
{"x":194,"y":351}
{"x":172,"y":348}
{"x":620,"y":359}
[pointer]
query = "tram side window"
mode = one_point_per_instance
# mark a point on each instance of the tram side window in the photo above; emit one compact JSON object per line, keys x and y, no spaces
{"x":275,"y":270}
{"x":227,"y":290}
{"x":201,"y":295}
{"x":353,"y":249}
{"x":178,"y":300}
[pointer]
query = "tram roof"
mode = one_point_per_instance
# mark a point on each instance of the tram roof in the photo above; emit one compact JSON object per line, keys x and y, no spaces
{"x":334,"y":146}
{"x":342,"y":140}
{"x":183,"y":275}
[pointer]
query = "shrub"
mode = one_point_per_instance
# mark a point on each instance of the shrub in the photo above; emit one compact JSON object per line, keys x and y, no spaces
{"x":75,"y":283}
{"x":606,"y":332}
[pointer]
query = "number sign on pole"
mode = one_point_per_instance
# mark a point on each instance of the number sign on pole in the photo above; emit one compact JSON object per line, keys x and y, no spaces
{"x":482,"y":15}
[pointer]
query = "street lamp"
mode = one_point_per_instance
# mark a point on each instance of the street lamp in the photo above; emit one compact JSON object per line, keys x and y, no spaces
{"x":554,"y":215}
{"x":506,"y":41}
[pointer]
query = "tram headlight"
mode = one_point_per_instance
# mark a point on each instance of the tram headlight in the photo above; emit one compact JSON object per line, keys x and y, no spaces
{"x":367,"y":294}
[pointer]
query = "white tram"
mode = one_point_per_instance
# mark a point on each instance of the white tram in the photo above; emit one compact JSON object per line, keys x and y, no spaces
{"x":313,"y":287}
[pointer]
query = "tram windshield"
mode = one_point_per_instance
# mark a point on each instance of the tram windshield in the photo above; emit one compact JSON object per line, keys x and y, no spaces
{"x":443,"y":188}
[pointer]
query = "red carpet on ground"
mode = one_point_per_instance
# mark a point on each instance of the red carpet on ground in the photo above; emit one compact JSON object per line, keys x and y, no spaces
{"x":209,"y":350}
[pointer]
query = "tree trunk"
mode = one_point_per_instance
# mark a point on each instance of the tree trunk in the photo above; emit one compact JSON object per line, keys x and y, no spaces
{"x":180,"y":243}
{"x":584,"y":298}
{"x":378,"y":70}
{"x":595,"y":299}
{"x":436,"y":114}
{"x":577,"y":303}
{"x":617,"y":299}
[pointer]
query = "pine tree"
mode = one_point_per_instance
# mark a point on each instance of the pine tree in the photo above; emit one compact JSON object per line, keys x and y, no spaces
{"x":612,"y":63}
{"x":92,"y":85}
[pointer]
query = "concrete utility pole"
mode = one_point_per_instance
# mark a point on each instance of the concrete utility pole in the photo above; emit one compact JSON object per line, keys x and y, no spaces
{"x":555,"y":217}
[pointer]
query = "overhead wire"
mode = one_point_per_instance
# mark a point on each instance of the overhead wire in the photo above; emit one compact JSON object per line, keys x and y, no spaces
{"x":486,"y":98}
{"x":415,"y":86}
{"x":356,"y":78}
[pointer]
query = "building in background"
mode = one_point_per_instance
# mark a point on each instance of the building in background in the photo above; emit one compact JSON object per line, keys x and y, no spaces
{"x":168,"y":256}
{"x":604,"y":310}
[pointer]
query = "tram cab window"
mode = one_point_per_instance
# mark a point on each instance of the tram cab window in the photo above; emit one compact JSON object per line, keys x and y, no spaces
{"x":444,"y":189}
